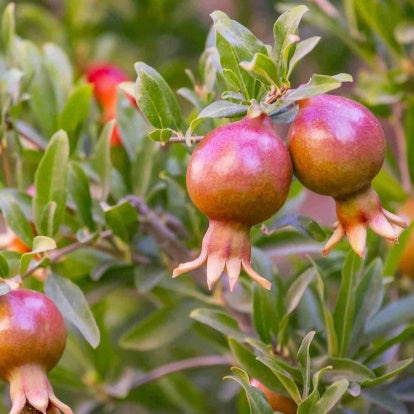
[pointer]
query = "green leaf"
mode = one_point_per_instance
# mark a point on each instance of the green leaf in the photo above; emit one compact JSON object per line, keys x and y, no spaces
{"x":331,"y":397}
{"x":308,"y":403}
{"x":75,"y":112}
{"x":156,"y":100}
{"x":317,"y":85}
{"x":60,"y":72}
{"x":302,"y":49}
{"x":8,"y":26}
{"x":41,"y":244}
{"x":284,"y":378}
{"x":386,"y":371}
{"x":267,"y":310}
{"x":16,"y":218}
{"x":219,"y":321}
{"x":380,"y":349}
{"x":392,"y":258}
{"x":285,"y":32}
{"x":78,"y":188}
{"x":122,"y":219}
{"x":304,"y":224}
{"x":345,"y":305}
{"x":159,"y":329}
{"x":71,"y":301}
{"x":304,"y":361}
{"x":385,"y":399}
{"x":235,"y":44}
{"x":101,"y":160}
{"x":392,"y":316}
{"x":349,"y":369}
{"x":219,"y":109}
{"x":4,"y":266}
{"x":43,"y":100}
{"x":293,"y":297}
{"x":257,"y":401}
{"x":368,"y":299}
{"x":261,"y":67}
{"x":133,"y":127}
{"x":254,"y":367}
{"x":161,"y":135}
{"x":327,"y":315}
{"x":49,"y":201}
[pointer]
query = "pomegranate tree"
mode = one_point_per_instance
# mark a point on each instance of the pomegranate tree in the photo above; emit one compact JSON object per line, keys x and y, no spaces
{"x":238,"y":176}
{"x":32,"y":340}
{"x":338,"y":147}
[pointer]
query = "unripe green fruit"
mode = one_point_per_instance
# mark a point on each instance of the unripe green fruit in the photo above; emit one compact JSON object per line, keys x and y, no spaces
{"x":338,"y":147}
{"x":238,"y":176}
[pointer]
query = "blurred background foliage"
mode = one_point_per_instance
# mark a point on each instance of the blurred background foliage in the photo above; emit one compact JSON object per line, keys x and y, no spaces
{"x":140,"y":315}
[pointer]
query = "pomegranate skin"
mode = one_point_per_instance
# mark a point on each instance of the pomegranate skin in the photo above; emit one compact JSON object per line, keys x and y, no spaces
{"x":337,"y":145}
{"x":32,"y":331}
{"x":240,"y":172}
{"x":278,"y":402}
{"x":238,"y":176}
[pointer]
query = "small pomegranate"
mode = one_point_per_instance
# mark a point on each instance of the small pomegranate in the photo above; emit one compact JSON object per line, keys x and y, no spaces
{"x":406,"y":264}
{"x":105,"y":79}
{"x":238,"y":176}
{"x":32,"y":340}
{"x":338,"y":147}
{"x":278,"y":402}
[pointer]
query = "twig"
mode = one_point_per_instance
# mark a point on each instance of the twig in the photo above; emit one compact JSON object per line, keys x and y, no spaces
{"x":326,"y":7}
{"x":18,"y":127}
{"x":177,"y":139}
{"x":56,"y":255}
{"x":137,"y":379}
{"x":165,"y":238}
{"x":396,"y":120}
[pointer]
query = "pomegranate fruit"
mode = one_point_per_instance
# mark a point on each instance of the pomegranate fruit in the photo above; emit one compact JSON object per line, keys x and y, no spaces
{"x":278,"y":402}
{"x":406,"y":263}
{"x":238,"y":176}
{"x":105,"y":79}
{"x":32,"y":340}
{"x":338,"y":147}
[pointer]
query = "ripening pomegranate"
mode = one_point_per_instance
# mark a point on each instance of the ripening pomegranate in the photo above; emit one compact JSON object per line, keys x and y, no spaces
{"x":238,"y":176}
{"x":406,"y":264}
{"x":338,"y":147}
{"x":278,"y":402}
{"x":32,"y":340}
{"x":105,"y":79}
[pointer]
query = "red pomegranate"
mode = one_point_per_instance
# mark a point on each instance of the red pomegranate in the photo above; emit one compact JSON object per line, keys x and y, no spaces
{"x":238,"y":176}
{"x":32,"y":340}
{"x":338,"y":147}
{"x":105,"y":79}
{"x":278,"y":402}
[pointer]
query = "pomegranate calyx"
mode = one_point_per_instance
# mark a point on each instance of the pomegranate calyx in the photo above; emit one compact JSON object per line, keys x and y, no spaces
{"x":356,"y":213}
{"x":29,"y":384}
{"x":225,"y":246}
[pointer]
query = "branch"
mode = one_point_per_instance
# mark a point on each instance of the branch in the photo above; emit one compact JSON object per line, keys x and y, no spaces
{"x":177,"y":139}
{"x":326,"y":7}
{"x":137,"y":379}
{"x":21,"y":130}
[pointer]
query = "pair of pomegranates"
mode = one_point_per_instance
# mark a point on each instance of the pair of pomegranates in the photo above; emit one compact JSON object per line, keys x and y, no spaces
{"x":240,"y":175}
